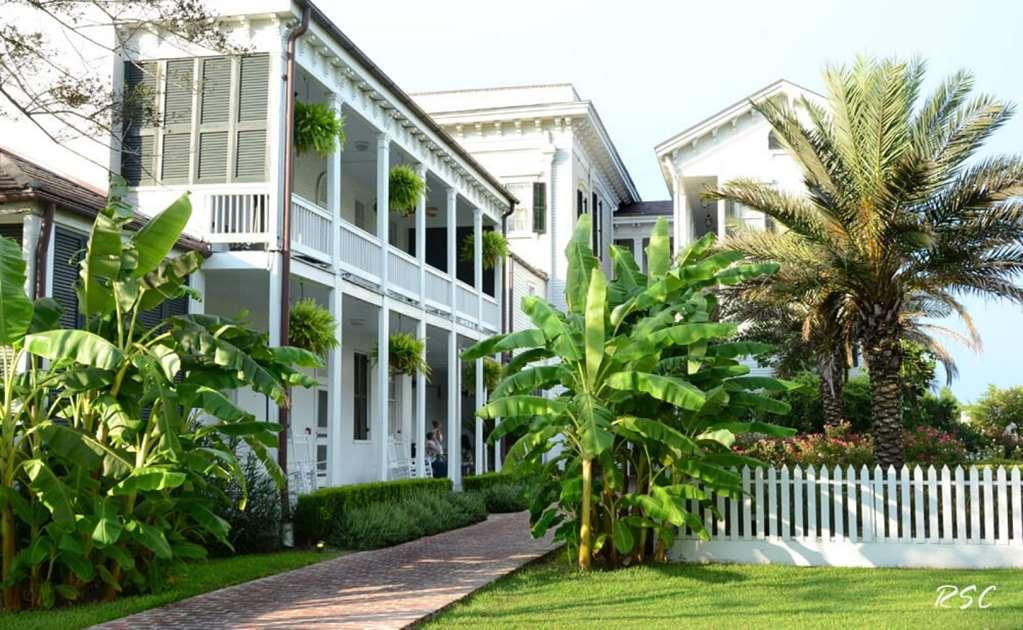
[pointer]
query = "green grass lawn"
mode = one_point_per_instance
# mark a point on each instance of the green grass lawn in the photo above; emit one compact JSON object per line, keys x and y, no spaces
{"x":553,"y":595}
{"x":201,"y":578}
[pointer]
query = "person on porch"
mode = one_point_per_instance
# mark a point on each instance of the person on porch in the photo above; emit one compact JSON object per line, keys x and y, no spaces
{"x":435,"y":451}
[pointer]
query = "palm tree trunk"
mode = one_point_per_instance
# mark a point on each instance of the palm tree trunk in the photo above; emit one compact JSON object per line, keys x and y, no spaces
{"x":585,"y":548}
{"x":831,"y":369}
{"x":884,"y":362}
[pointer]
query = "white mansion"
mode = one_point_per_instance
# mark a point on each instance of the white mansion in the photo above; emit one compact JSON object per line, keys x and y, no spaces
{"x":524,"y":160}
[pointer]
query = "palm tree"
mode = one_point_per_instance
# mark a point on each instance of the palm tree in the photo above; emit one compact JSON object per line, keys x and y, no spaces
{"x":901,"y":215}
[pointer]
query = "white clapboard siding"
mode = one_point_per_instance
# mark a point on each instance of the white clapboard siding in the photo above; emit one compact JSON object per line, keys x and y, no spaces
{"x":843,"y":517}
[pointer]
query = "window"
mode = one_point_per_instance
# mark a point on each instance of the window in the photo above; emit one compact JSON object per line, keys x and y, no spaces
{"x":223,"y":141}
{"x":539,"y":207}
{"x":361,"y":396}
{"x":580,"y":204}
{"x":774,"y":142}
{"x":322,"y":415}
{"x":519,"y":219}
{"x":626,"y":244}
{"x":646,"y":244}
{"x":598,"y":227}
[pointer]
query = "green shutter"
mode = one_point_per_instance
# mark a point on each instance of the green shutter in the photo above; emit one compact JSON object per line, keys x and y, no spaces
{"x":176,"y":147}
{"x":140,"y":88}
{"x":213,"y":156}
{"x":177,"y":103}
{"x":68,"y":249}
{"x":252,"y":87}
{"x":250,"y":156}
{"x":216,"y":90}
{"x":539,"y":207}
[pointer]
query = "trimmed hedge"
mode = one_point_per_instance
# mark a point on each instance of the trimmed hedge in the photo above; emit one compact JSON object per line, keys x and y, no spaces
{"x":318,"y":514}
{"x":386,"y":524}
{"x":473,"y":483}
{"x":505,"y":497}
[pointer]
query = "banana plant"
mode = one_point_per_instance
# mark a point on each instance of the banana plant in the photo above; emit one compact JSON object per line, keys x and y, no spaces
{"x":111,"y":434}
{"x":644,"y":396}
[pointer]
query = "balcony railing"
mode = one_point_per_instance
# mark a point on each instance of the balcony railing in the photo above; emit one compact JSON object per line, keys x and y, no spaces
{"x":465,"y":298}
{"x":491,"y":313}
{"x":438,"y":289}
{"x":360,"y":252}
{"x":312,"y":229}
{"x":403,"y":272}
{"x":236,"y":216}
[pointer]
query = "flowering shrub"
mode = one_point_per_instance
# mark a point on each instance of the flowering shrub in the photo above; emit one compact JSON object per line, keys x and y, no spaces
{"x":837,"y":446}
{"x":927,"y":445}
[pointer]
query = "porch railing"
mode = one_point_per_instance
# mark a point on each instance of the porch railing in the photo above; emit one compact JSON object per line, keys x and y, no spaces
{"x":465,"y":299}
{"x":360,"y":252}
{"x":491,"y":313}
{"x":237,"y":217}
{"x":438,"y":288}
{"x":312,"y":229}
{"x":403,"y":272}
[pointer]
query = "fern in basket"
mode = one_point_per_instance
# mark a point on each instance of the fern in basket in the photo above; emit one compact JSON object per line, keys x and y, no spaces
{"x":406,"y":354}
{"x":404,"y":189}
{"x":494,"y":248}
{"x":312,"y":327}
{"x":318,"y":128}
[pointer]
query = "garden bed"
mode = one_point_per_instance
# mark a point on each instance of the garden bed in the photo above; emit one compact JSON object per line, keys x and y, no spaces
{"x":201,"y":577}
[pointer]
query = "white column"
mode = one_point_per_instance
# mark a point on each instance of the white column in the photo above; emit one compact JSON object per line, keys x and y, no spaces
{"x":421,"y":427}
{"x":31,"y":225}
{"x":335,"y":390}
{"x":197,"y":283}
{"x":383,"y":209}
{"x":405,"y":417}
{"x":334,"y":191}
{"x":477,"y":260}
{"x":637,"y":251}
{"x":481,"y":399}
{"x":421,"y":236}
{"x":273,"y":321}
{"x":454,"y":437}
{"x":381,"y":391}
{"x":453,"y":246}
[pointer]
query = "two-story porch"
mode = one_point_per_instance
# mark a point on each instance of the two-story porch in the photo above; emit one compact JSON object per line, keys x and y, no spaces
{"x":378,"y":271}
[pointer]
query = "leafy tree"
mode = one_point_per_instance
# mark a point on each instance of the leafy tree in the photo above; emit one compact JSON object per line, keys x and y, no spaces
{"x":645,"y":396}
{"x":998,"y":407}
{"x":899,"y":220}
{"x":109,"y":435}
{"x":66,"y":93}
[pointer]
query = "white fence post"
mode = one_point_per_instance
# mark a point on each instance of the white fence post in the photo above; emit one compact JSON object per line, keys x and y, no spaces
{"x":879,"y":533}
{"x":825,"y":531}
{"x":905,"y":517}
{"x":839,"y":505}
{"x":1017,"y":509}
{"x":758,"y":481}
{"x":797,"y":501}
{"x":786,"y":520}
{"x":772,"y":503}
{"x":851,"y":502}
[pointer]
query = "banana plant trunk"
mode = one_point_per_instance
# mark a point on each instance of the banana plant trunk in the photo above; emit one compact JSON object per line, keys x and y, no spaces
{"x":884,"y":361}
{"x":11,"y":599}
{"x":585,"y":546}
{"x":831,"y":368}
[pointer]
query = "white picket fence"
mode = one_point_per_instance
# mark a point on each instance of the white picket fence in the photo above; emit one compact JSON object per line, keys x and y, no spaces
{"x":840,"y":517}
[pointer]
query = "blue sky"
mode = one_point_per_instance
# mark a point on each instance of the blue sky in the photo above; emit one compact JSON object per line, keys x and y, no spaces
{"x":654,"y":68}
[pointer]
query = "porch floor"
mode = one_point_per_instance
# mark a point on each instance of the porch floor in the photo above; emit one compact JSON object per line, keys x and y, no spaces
{"x":385,"y":588}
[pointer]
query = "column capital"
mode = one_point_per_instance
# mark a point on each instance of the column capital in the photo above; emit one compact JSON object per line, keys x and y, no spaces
{"x":452,"y":194}
{"x":420,"y":169}
{"x":383,"y":140}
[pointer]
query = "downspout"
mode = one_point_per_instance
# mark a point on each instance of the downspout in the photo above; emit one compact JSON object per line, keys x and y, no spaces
{"x":284,"y":411}
{"x":43,"y":249}
{"x":505,"y":289}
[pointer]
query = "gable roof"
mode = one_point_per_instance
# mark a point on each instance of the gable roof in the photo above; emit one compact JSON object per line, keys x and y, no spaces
{"x":22,"y":179}
{"x":736,"y":109}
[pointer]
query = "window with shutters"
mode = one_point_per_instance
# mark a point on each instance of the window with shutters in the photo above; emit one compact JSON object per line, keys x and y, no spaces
{"x":68,"y":250}
{"x":518,"y":221}
{"x":210,"y":125}
{"x":540,"y":207}
{"x":595,"y":228}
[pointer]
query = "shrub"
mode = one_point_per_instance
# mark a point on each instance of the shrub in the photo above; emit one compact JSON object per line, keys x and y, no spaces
{"x":317,"y":513}
{"x":312,"y":327}
{"x":472,"y":483}
{"x":837,"y":446}
{"x":257,"y":528}
{"x":927,"y":445}
{"x":505,"y":497}
{"x":385,"y":524}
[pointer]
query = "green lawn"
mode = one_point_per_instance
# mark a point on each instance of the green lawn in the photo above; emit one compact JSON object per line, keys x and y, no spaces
{"x":201,"y":577}
{"x":553,"y":595}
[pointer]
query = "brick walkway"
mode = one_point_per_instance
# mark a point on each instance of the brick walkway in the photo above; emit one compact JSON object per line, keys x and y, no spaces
{"x":386,"y":588}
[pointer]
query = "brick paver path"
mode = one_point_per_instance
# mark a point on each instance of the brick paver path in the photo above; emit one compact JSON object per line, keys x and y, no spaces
{"x":386,"y":588}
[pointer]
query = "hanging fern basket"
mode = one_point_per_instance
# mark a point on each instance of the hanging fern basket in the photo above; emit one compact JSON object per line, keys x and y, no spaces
{"x":312,"y":327}
{"x":404,"y":189}
{"x":491,"y":375}
{"x":494,"y":248}
{"x":406,"y":355}
{"x":318,"y":128}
